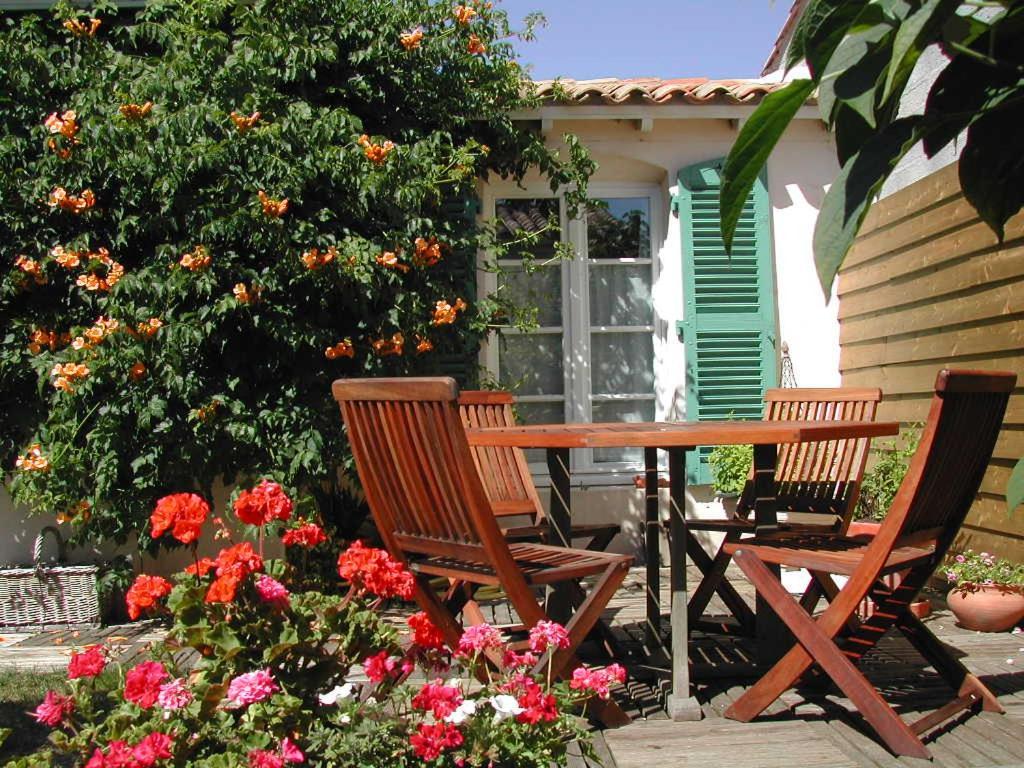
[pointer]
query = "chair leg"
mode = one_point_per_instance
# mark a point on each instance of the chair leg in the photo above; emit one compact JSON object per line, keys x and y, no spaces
{"x":896,"y":734}
{"x":713,"y":572}
{"x":600,"y":542}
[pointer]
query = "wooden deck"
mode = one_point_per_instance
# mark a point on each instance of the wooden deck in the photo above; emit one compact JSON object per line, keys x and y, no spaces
{"x":806,"y":729}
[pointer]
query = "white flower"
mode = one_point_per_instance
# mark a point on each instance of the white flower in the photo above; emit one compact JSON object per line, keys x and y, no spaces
{"x":338,"y":693}
{"x":463,"y":712}
{"x":346,"y":719}
{"x":505,"y":706}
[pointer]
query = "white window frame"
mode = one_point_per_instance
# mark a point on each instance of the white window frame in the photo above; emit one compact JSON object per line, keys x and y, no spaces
{"x":576,"y":319}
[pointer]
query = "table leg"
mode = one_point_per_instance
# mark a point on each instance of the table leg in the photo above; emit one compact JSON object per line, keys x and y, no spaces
{"x":773,"y":639}
{"x":652,"y":540}
{"x":560,"y":523}
{"x":682,"y":705}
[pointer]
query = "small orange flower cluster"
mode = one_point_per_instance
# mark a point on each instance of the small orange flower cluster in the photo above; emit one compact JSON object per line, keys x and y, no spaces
{"x":137,"y":371}
{"x":464,"y":14}
{"x":92,"y":282}
{"x":423,"y":345}
{"x":66,"y":257}
{"x":411,"y":40}
{"x":247,"y":295}
{"x":76,"y":204}
{"x":66,"y":374}
{"x":65,"y":125}
{"x":41,"y":339}
{"x":389,"y":260}
{"x":206,"y":412}
{"x":243,"y":123}
{"x":376,"y":153}
{"x":428,"y":252}
{"x":475,"y":45}
{"x":196,"y":260}
{"x":392,"y":346}
{"x":135,"y":112}
{"x":95,"y":335}
{"x":82,"y":511}
{"x":341,"y":349}
{"x":33,"y":460}
{"x":148,"y":328}
{"x":82,"y":29}
{"x":314,"y":258}
{"x":272,"y":207}
{"x":32,"y":268}
{"x":445,"y":313}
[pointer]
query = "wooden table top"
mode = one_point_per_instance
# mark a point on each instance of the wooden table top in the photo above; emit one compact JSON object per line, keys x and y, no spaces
{"x":689,"y":434}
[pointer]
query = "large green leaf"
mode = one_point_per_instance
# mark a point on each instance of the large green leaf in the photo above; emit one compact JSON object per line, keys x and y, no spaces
{"x":992,"y":166}
{"x":1015,"y":488}
{"x":855,"y":69}
{"x":912,"y":37}
{"x":748,"y":155}
{"x":821,"y":27}
{"x":849,"y":197}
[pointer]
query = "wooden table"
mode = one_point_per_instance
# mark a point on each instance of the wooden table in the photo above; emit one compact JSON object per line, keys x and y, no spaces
{"x":676,"y":439}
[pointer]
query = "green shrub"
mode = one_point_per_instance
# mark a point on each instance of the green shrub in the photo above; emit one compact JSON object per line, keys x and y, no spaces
{"x":730,"y":468}
{"x":883,"y":479}
{"x":233,"y":203}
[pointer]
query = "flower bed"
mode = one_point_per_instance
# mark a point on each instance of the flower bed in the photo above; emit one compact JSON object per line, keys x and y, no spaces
{"x":275,"y":678}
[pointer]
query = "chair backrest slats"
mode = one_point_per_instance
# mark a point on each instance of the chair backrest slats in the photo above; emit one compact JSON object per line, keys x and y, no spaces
{"x":504,"y":471}
{"x":416,"y":468}
{"x":821,"y":476}
{"x":946,"y":471}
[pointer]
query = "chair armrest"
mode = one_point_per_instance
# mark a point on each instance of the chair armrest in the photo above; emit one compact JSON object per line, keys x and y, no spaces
{"x":862,"y":528}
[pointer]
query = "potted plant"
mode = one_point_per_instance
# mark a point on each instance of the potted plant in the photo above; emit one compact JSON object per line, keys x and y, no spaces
{"x":988,"y":595}
{"x":730,"y":469}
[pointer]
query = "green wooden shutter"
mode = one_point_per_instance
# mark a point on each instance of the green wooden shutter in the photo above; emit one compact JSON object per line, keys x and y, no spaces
{"x":729,"y":328}
{"x":462,"y":363}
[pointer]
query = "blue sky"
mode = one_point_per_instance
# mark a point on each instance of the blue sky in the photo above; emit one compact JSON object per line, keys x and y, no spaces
{"x":653,"y":38}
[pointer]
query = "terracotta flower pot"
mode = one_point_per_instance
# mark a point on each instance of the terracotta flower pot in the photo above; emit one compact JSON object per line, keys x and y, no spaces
{"x":987,"y":608}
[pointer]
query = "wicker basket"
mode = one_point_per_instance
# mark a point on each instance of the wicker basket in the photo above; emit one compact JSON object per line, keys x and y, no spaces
{"x":43,"y":597}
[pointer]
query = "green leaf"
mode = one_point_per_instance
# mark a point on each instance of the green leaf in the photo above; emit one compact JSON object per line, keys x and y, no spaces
{"x":1015,"y":488}
{"x":854,"y":69}
{"x":748,"y":155}
{"x":913,"y":36}
{"x":852,"y":193}
{"x":992,"y":166}
{"x":822,"y":26}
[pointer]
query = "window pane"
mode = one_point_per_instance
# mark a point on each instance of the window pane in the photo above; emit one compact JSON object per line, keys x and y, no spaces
{"x":540,"y":413}
{"x":622,"y":230}
{"x":541,"y":288}
{"x":636,"y":410}
{"x":620,"y":294}
{"x":531,"y":364}
{"x":519,"y":217}
{"x":622,"y":363}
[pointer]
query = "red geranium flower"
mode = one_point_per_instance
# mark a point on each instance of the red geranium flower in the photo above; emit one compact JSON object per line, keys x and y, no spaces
{"x":88,"y":664}
{"x":537,"y":706}
{"x":144,"y":594}
{"x":375,"y":571}
{"x":155,"y":746}
{"x":54,"y":709}
{"x":263,"y":504}
{"x":424,"y":633}
{"x":438,"y":698}
{"x":233,"y":565}
{"x":201,"y":567}
{"x":306,"y":535}
{"x":431,"y":740}
{"x":142,"y":683}
{"x":183,"y":514}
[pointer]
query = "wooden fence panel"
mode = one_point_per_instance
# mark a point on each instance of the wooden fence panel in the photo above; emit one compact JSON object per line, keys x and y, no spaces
{"x":927,"y":285}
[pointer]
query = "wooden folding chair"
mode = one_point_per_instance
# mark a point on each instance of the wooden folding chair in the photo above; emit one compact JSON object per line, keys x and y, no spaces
{"x":506,"y":474}
{"x":822,"y":479}
{"x":433,"y":514}
{"x":937,"y":492}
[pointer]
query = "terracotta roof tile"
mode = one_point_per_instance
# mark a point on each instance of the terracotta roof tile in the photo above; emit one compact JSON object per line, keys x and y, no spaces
{"x":652,"y":90}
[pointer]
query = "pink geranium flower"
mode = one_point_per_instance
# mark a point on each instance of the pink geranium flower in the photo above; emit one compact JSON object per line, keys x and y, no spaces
{"x":597,"y":681}
{"x":273,"y":592}
{"x":174,"y":695}
{"x":548,"y":634}
{"x":379,"y":666}
{"x":54,"y":709}
{"x":479,"y":638}
{"x":252,"y":687}
{"x":262,"y":758}
{"x":291,"y":752}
